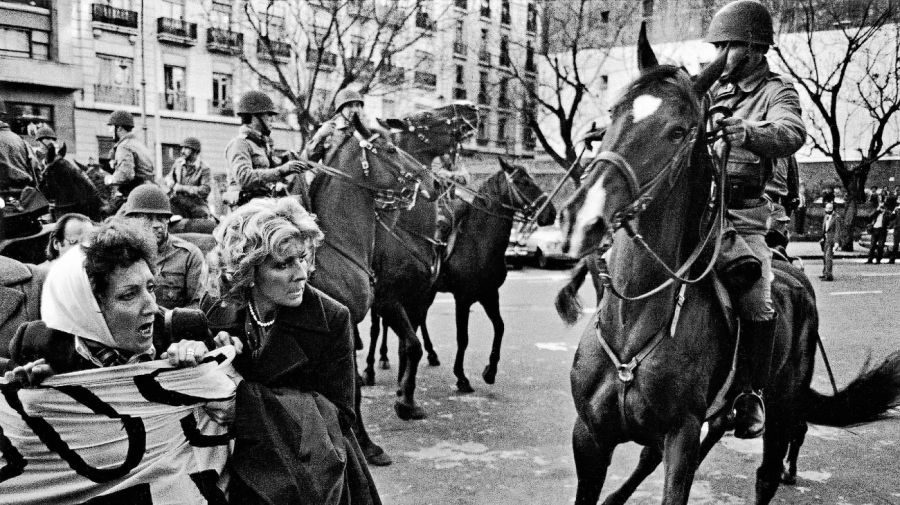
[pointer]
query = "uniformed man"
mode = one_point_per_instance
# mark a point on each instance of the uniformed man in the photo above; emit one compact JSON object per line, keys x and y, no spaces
{"x":18,"y":165}
{"x":131,"y":161}
{"x":250,"y":169}
{"x":766,"y":126}
{"x":45,"y":137}
{"x":348,"y":104}
{"x":20,"y":297}
{"x":179,"y":264}
{"x":189,"y":182}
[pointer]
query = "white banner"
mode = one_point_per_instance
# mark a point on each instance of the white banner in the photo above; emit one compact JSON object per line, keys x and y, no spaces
{"x":135,"y":434}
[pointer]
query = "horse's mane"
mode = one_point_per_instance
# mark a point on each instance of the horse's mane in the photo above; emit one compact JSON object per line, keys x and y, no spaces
{"x":660,"y":79}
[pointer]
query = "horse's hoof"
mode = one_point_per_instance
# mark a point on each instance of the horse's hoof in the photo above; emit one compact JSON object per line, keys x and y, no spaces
{"x":788,"y":478}
{"x":489,"y":374}
{"x":433,"y":360}
{"x":409,"y":412}
{"x":369,"y":380}
{"x":375,"y":455}
{"x":464,"y":386}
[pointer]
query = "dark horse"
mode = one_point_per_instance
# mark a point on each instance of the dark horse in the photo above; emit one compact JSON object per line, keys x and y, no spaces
{"x":406,"y":257}
{"x":475,"y":265}
{"x":654,"y":179}
{"x":369,"y":171}
{"x":68,"y":187}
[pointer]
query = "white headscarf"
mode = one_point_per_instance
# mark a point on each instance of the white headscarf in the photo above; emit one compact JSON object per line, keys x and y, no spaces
{"x":68,"y":304}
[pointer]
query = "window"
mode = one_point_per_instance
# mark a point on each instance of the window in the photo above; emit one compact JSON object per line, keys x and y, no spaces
{"x":504,"y":51}
{"x":26,"y":118}
{"x":502,"y":124}
{"x":486,"y":8}
{"x":604,"y":17}
{"x":24,"y":43}
{"x":461,"y":4}
{"x":531,"y":18}
{"x":529,"y":58}
{"x":460,"y":74}
{"x":505,"y":17}
{"x":116,"y":71}
{"x":172,"y":9}
{"x":503,"y":92}
{"x":460,"y":31}
{"x":426,"y":61}
{"x":221,"y":92}
{"x":483,"y":96}
{"x":220,"y":17}
{"x":274,"y":28}
{"x":119,"y":4}
{"x":648,"y":8}
{"x":174,"y":79}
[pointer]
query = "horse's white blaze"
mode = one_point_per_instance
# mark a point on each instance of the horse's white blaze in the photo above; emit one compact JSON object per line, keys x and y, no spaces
{"x":588,"y":214}
{"x":645,"y":106}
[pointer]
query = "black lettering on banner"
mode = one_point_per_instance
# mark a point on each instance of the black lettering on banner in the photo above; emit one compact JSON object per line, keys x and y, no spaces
{"x":198,"y":439}
{"x":148,"y":386}
{"x":206,"y":483}
{"x":15,"y":463}
{"x":134,"y":495}
{"x":134,"y":428}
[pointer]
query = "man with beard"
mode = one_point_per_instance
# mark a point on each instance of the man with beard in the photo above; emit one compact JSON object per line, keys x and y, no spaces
{"x":250,"y":168}
{"x":179,"y":264}
{"x":130,"y":160}
{"x":766,"y":126}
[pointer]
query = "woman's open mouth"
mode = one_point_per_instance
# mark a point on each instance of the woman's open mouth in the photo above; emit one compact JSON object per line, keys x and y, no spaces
{"x":146,"y":330}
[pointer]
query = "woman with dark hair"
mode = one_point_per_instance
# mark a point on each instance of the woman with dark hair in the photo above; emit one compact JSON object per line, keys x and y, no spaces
{"x":68,"y":232}
{"x":294,"y":409}
{"x":98,"y":309}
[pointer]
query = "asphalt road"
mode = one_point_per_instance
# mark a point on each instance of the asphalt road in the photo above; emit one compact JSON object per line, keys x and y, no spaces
{"x":510,"y":443}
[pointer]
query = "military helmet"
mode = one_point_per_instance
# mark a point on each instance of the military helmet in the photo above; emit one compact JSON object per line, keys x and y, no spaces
{"x":255,"y":102}
{"x":121,"y":118}
{"x":346,"y":96}
{"x":742,"y":21}
{"x":45,"y":132}
{"x":147,"y":199}
{"x":192,"y":142}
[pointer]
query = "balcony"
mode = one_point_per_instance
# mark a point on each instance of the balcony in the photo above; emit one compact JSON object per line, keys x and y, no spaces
{"x":425,"y":79}
{"x":485,"y":11}
{"x":461,"y":4}
{"x":484,"y":57}
{"x":459,"y":49}
{"x":329,"y":59}
{"x":424,"y":21}
{"x":224,"y":41}
{"x":176,"y":31}
{"x":279,"y":50}
{"x":116,"y":94}
{"x":361,"y":67}
{"x":177,"y":100}
{"x":459,"y":93}
{"x":393,"y":76}
{"x":221,"y":107}
{"x":114,"y":17}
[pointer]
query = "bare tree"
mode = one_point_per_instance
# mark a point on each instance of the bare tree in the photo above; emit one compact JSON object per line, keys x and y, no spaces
{"x":579,"y":35}
{"x":315,"y":48}
{"x":843,"y":55}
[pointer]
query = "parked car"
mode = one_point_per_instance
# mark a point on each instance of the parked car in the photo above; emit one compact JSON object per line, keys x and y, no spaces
{"x":543,"y":247}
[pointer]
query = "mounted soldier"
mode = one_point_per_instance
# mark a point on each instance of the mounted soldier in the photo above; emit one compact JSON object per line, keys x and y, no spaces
{"x":189,"y":182}
{"x":766,"y":129}
{"x":329,"y":137}
{"x":251,"y":170}
{"x":131,"y":162}
{"x":45,"y":137}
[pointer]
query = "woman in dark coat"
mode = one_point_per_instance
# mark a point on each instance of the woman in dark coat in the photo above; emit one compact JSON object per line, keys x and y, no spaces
{"x":294,"y":409}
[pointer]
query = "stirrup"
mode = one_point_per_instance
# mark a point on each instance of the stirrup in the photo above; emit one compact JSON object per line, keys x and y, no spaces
{"x":746,"y":424}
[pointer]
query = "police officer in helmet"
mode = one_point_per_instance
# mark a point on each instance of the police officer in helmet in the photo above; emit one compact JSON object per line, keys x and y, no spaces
{"x":766,"y":126}
{"x":348,"y":105}
{"x":190,"y":182}
{"x":131,"y":161}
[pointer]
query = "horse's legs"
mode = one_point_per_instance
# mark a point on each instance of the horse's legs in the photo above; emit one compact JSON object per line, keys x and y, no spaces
{"x":384,"y":363}
{"x":411,"y":353}
{"x":717,"y":427}
{"x":369,"y":379}
{"x":374,"y":454}
{"x":680,"y":454}
{"x":591,"y":462}
{"x":651,"y":457}
{"x":491,"y":304}
{"x":789,"y":475}
{"x":418,"y":316}
{"x":778,"y":434}
{"x":462,"y":342}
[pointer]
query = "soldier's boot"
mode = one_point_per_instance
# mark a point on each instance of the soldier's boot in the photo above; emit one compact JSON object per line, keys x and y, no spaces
{"x":754,"y":365}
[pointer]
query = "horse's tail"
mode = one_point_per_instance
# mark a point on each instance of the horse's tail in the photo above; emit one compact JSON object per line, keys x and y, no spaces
{"x":865,"y":399}
{"x":568,"y":304}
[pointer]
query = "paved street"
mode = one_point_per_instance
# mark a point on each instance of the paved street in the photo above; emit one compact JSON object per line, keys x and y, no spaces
{"x":510,"y":443}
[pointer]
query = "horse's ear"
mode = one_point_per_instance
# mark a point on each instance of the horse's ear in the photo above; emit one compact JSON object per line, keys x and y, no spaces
{"x":51,"y":154}
{"x":504,"y":165}
{"x":705,"y":79}
{"x":646,"y":57}
{"x":62,"y":151}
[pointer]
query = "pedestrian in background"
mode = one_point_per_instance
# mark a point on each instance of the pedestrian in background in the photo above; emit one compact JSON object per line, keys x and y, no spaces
{"x":831,"y":226}
{"x":800,"y":212}
{"x":189,"y":182}
{"x":878,"y":230}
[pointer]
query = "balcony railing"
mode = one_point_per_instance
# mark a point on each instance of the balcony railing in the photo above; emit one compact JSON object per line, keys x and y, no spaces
{"x":116,"y":94}
{"x":484,"y":57}
{"x":425,"y":79}
{"x":177,"y":100}
{"x":103,"y":13}
{"x":459,"y":49}
{"x":485,"y":11}
{"x":221,"y":107}
{"x":393,"y":76}
{"x":224,"y":41}
{"x":459,"y":93}
{"x":329,"y":59}
{"x":279,"y":49}
{"x":483,"y":98}
{"x":176,"y":30}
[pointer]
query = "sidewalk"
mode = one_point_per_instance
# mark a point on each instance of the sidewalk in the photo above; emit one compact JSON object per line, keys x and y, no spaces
{"x":811,"y":250}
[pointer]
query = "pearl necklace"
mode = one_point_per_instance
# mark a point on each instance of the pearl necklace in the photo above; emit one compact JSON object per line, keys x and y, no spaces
{"x":257,"y":319}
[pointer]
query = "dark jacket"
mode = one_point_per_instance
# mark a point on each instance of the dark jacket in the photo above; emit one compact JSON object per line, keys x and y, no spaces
{"x":20,"y":299}
{"x":310,"y":350}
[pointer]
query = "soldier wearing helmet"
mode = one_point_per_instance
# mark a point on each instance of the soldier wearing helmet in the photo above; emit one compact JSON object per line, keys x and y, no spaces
{"x":251,"y":169}
{"x":347,"y":104}
{"x":179,"y":263}
{"x":189,"y":182}
{"x":18,"y":164}
{"x":765,"y":130}
{"x":131,"y":162}
{"x":45,"y":137}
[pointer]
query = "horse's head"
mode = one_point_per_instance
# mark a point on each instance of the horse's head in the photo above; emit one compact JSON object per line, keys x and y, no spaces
{"x":435,"y":132}
{"x":394,"y":176}
{"x":53,"y":156}
{"x":652,"y":132}
{"x":520,"y":193}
